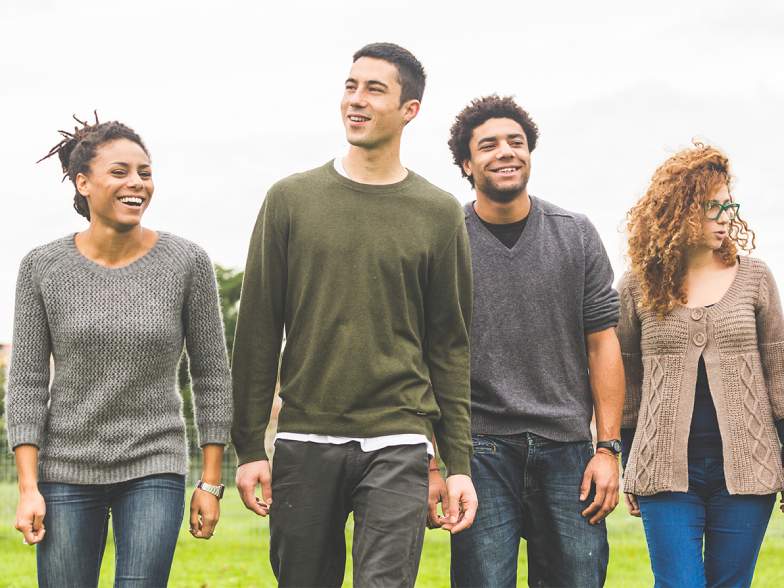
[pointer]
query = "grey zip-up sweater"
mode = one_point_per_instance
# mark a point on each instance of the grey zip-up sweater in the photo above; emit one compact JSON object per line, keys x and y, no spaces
{"x":533,"y":306}
{"x":113,"y":411}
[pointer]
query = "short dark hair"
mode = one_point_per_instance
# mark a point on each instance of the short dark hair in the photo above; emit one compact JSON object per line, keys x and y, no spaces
{"x":410,"y":72}
{"x":479,"y":111}
{"x":77,"y":150}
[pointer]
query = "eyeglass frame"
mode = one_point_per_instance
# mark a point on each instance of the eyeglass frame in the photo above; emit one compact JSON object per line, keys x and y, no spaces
{"x":734,"y":206}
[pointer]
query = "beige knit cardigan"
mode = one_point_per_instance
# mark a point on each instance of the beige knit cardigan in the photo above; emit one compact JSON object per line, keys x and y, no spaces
{"x":742,"y":340}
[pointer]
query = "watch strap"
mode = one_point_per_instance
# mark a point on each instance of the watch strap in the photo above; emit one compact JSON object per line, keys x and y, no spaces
{"x":214,"y":489}
{"x":613,"y":445}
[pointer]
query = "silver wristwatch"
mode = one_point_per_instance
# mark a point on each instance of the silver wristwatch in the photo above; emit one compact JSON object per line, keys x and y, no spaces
{"x":215,"y":490}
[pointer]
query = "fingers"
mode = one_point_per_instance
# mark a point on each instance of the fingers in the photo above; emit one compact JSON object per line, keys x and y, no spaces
{"x":585,"y":485}
{"x":266,"y":490}
{"x":30,"y":523}
{"x":436,"y":493}
{"x":432,"y":511}
{"x":466,"y":519}
{"x":453,"y":508}
{"x":205,"y":511}
{"x":608,"y":504}
{"x":248,"y":476}
{"x":195,"y":522}
{"x":32,"y":531}
{"x":249,"y":499}
{"x":632,"y":505}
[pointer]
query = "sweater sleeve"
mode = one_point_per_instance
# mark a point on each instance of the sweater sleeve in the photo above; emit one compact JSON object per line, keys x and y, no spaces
{"x":206,"y":346}
{"x":770,"y":338}
{"x":629,"y":334}
{"x":27,"y":395}
{"x":259,"y":333}
{"x":600,"y":300}
{"x":448,"y":308}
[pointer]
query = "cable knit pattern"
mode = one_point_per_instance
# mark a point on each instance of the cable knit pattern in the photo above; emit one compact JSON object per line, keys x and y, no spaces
{"x":113,"y":411}
{"x":742,"y":341}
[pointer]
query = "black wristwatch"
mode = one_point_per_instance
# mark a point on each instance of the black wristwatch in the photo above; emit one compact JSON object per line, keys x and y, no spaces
{"x":613,"y":445}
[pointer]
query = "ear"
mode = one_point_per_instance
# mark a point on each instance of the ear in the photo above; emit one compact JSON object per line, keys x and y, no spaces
{"x":410,"y":110}
{"x":81,"y":184}
{"x":467,"y":167}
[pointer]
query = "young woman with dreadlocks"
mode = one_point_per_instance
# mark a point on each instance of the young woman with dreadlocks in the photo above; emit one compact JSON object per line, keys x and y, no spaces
{"x":112,"y":306}
{"x":702,"y":336}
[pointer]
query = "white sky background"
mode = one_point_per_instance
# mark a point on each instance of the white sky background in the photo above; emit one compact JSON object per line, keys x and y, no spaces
{"x":230,"y":97}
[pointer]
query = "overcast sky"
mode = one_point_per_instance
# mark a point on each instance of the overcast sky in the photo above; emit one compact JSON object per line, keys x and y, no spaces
{"x":232,"y":96}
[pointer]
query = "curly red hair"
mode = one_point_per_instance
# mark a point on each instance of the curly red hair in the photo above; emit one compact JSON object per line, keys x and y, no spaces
{"x":667,"y":220}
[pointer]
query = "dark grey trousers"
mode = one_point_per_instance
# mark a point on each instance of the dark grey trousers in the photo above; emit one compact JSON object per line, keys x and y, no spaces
{"x":314,"y":488}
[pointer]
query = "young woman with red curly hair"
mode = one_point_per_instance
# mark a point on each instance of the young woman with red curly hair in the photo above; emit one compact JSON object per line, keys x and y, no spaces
{"x":702,"y":336}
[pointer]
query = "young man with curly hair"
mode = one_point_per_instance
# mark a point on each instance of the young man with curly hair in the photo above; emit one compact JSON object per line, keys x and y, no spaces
{"x":367,"y":267}
{"x":544,"y":358}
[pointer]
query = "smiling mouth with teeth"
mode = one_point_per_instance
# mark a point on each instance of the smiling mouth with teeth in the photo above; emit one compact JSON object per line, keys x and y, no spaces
{"x":357,"y":118}
{"x":132,"y":200}
{"x":505,"y":170}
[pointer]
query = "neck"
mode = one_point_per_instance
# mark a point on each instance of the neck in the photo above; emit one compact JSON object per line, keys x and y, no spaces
{"x":375,"y":166}
{"x":502,"y":213}
{"x":699,"y":258}
{"x":110,"y":245}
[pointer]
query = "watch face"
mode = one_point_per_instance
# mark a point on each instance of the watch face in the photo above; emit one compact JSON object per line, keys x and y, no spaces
{"x":613,"y":445}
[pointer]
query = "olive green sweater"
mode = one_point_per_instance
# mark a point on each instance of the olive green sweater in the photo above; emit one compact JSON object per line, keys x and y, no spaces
{"x":373,"y":287}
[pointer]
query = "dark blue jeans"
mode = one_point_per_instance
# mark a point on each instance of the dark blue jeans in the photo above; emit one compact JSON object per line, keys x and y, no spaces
{"x":146,"y":518}
{"x":529,"y":487}
{"x":732,"y":527}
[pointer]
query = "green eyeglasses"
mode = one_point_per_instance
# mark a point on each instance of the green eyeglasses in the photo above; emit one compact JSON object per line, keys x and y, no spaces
{"x":713,"y":209}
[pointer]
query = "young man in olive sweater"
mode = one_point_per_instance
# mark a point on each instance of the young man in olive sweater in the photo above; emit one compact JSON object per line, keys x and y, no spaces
{"x":544,"y":357}
{"x":366,"y":266}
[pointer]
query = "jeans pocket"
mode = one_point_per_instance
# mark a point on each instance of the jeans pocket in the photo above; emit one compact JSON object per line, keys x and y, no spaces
{"x":483,"y":445}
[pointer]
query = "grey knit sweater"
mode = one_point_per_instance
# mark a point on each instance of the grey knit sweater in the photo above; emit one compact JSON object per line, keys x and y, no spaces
{"x":112,"y":411}
{"x":533,"y":305}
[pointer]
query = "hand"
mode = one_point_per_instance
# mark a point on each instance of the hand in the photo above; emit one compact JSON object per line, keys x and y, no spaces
{"x":634,"y":507}
{"x":436,"y":493}
{"x":602,"y":472}
{"x":205,"y":512}
{"x":30,"y":513}
{"x":462,"y":504}
{"x":248,"y":476}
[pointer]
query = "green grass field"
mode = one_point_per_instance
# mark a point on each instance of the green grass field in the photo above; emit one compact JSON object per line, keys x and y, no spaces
{"x":237,"y":555}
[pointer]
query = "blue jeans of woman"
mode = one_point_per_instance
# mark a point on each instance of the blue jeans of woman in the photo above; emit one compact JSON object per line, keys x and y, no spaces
{"x":731,"y":526}
{"x":529,"y":487}
{"x":146,"y":515}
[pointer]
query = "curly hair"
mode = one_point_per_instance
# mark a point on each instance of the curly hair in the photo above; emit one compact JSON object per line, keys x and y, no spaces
{"x":668,"y":219}
{"x":77,"y":150}
{"x":478,"y":112}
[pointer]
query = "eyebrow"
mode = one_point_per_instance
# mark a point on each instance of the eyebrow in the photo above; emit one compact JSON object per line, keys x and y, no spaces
{"x":494,"y":138}
{"x":369,"y":82}
{"x":126,"y":164}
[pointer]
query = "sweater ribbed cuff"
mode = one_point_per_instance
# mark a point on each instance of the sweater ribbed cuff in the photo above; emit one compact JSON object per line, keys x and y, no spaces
{"x":458,"y":463}
{"x":214,"y":433}
{"x":24,"y":434}
{"x":247,"y":455}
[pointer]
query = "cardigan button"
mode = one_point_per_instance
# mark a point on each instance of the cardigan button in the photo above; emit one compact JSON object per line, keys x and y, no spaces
{"x":699,"y":339}
{"x":697,"y":314}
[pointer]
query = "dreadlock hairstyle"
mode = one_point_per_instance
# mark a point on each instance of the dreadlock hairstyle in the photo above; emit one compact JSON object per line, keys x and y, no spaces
{"x":76,"y":151}
{"x":668,"y":219}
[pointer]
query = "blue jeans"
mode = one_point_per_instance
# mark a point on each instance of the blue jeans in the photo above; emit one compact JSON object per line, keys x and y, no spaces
{"x":146,"y":517}
{"x":529,"y":487}
{"x":732,"y":526}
